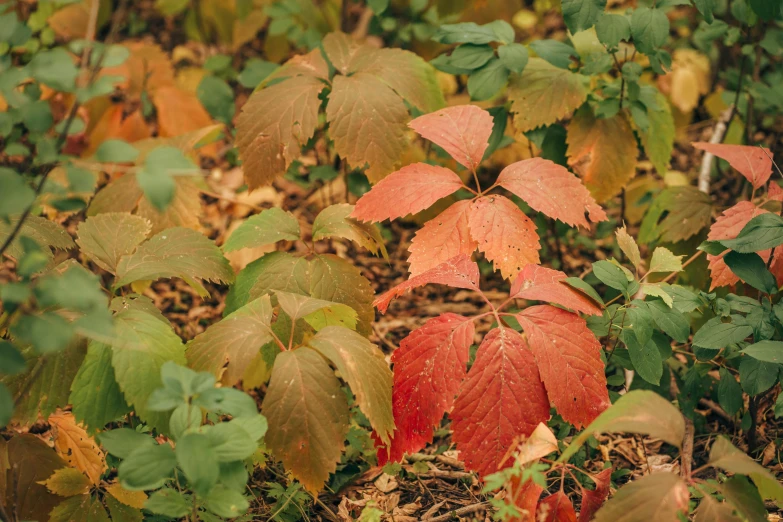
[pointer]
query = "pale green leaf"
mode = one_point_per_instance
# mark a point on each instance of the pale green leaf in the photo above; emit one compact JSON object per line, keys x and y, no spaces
{"x":725,"y":456}
{"x":303,"y":307}
{"x":105,"y":238}
{"x":663,"y":260}
{"x":335,"y":221}
{"x":661,"y":496}
{"x":629,"y":247}
{"x":267,"y":227}
{"x":95,"y":394}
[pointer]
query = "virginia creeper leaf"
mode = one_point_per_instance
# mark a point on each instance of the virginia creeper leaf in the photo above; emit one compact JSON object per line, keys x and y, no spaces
{"x":556,"y":508}
{"x":755,"y":163}
{"x":105,"y":238}
{"x":569,"y":360}
{"x":462,"y":131}
{"x":537,"y":283}
{"x":267,"y":227}
{"x":336,"y":221}
{"x":593,"y":499}
{"x":409,"y":190}
{"x":308,"y":416}
{"x":501,"y":399}
{"x":442,"y":238}
{"x":549,"y":188}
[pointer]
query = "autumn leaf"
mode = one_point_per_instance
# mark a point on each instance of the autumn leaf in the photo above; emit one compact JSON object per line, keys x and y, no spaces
{"x":593,"y":499}
{"x":569,"y":359}
{"x":677,"y":213}
{"x":134,"y":499}
{"x":602,"y":151}
{"x":83,"y":507}
{"x":505,"y":235}
{"x":308,"y":416}
{"x":67,"y":482}
{"x":663,"y":260}
{"x":629,"y":247}
{"x":502,"y":398}
{"x":442,"y":238}
{"x":429,"y":366}
{"x":77,"y":448}
{"x":407,"y":191}
{"x":543,"y":94}
{"x":319,"y":313}
{"x":105,"y":238}
{"x":541,"y":443}
{"x":755,"y":163}
{"x":728,"y":226}
{"x":524,"y":497}
{"x":267,"y":227}
{"x":462,"y":131}
{"x":179,"y":111}
{"x":662,"y":493}
{"x":29,"y":462}
{"x":555,"y":508}
{"x":336,"y":221}
{"x":457,"y":272}
{"x":537,"y":283}
{"x":549,"y":188}
{"x":113,"y":123}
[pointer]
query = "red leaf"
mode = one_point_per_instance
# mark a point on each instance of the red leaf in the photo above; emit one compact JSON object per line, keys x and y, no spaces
{"x":442,"y":238}
{"x":755,"y":163}
{"x":429,"y":367}
{"x":549,"y":188}
{"x":525,"y":498}
{"x":457,"y":272}
{"x":592,"y":500}
{"x":775,"y":192}
{"x":502,"y":398}
{"x":569,"y":358}
{"x":462,"y":131}
{"x":505,"y":235}
{"x":728,"y":226}
{"x":537,"y":283}
{"x":556,"y":508}
{"x":407,"y":191}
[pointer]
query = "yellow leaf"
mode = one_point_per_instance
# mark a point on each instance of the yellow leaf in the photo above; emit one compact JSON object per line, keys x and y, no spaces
{"x":663,"y":260}
{"x":689,"y":79}
{"x":76,"y":447}
{"x":657,"y":291}
{"x":629,"y":247}
{"x":129,"y":498}
{"x":541,"y":443}
{"x":602,"y":151}
{"x":67,"y":482}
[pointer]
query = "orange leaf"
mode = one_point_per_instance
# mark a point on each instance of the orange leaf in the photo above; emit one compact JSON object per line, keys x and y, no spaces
{"x":537,"y":283}
{"x":556,"y":508}
{"x":77,"y":448}
{"x":113,"y":124}
{"x":129,"y":498}
{"x":755,"y":163}
{"x":525,"y":498}
{"x":549,"y":188}
{"x":505,"y":235}
{"x":147,"y":68}
{"x":409,"y":190}
{"x":592,"y":500}
{"x":462,"y":131}
{"x":442,"y":238}
{"x":180,"y":112}
{"x":728,"y":226}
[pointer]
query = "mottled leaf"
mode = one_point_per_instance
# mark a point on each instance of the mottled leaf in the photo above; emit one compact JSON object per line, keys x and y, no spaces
{"x":105,"y":238}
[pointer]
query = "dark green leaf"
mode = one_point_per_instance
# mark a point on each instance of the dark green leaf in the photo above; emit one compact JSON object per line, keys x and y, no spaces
{"x":469,"y":32}
{"x":762,"y":232}
{"x":649,"y":28}
{"x":716,"y":334}
{"x":752,"y":269}
{"x":582,"y":14}
{"x":198,"y":462}
{"x":729,"y":392}
{"x":169,"y":502}
{"x":757,"y":376}
{"x":121,"y":442}
{"x":557,"y":53}
{"x":514,"y":56}
{"x":487,"y":81}
{"x":147,"y":467}
{"x":612,"y":29}
{"x":767,"y":351}
{"x":217,"y":98}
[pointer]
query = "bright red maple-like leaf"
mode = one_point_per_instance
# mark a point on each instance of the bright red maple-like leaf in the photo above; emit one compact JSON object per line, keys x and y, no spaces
{"x":429,"y":366}
{"x":407,"y":191}
{"x":457,"y":272}
{"x":550,"y":188}
{"x":503,"y":397}
{"x":537,"y":283}
{"x":462,"y":131}
{"x":755,"y":163}
{"x":442,"y":238}
{"x":592,"y":500}
{"x":505,"y":235}
{"x":569,"y":359}
{"x":556,"y":508}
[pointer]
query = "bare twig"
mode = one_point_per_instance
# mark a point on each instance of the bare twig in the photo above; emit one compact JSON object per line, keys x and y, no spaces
{"x":459,"y":512}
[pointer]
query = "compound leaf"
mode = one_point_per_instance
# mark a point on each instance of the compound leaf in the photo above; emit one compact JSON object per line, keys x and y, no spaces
{"x":442,"y":238}
{"x":537,"y":283}
{"x":462,"y":131}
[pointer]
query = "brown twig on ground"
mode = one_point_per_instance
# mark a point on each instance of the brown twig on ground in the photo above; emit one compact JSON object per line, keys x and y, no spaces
{"x":459,"y":512}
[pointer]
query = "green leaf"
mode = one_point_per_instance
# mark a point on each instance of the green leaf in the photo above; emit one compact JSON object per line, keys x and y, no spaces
{"x":469,"y":32}
{"x":197,"y":461}
{"x":85,"y":508}
{"x":217,"y":98}
{"x":95,"y":394}
{"x":116,"y":151}
{"x":176,"y":252}
{"x":762,"y":232}
{"x":12,"y":362}
{"x":121,"y":442}
{"x":267,"y":227}
{"x":715,"y":334}
{"x":752,"y":269}
{"x":105,"y":238}
{"x":304,"y":398}
{"x":15,"y":194}
{"x":744,"y":496}
{"x":580,"y":15}
{"x":486,"y":82}
{"x":767,"y":351}
{"x":757,"y":376}
{"x":143,"y":345}
{"x":298,"y":307}
{"x":555,"y":52}
{"x":646,"y":359}
{"x":147,"y":467}
{"x":729,"y":392}
{"x":585,"y":288}
{"x":638,"y":411}
{"x":611,"y":275}
{"x":469,"y":57}
{"x":662,"y":493}
{"x":226,"y":502}
{"x":363,"y":366}
{"x":612,"y":29}
{"x":55,"y":68}
{"x":235,"y":340}
{"x":676,"y":214}
{"x":671,"y":321}
{"x":255,"y":71}
{"x":335,"y":221}
{"x":155,"y":178}
{"x":725,"y":456}
{"x":706,"y":8}
{"x":168,"y":502}
{"x":185,"y":418}
{"x":46,"y":331}
{"x":658,"y":140}
{"x":514,"y":56}
{"x":765,"y":9}
{"x":44,"y":232}
{"x":664,"y":261}
{"x":649,"y":28}
{"x":229,"y":441}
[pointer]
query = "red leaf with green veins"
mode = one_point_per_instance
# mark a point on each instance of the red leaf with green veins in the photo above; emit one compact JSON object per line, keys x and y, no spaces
{"x":536,"y":283}
{"x":728,"y":226}
{"x":755,"y":163}
{"x":569,"y":359}
{"x":409,"y":190}
{"x":549,"y":188}
{"x":592,"y":500}
{"x":442,"y":238}
{"x":457,"y":272}
{"x":502,"y":398}
{"x":429,"y":366}
{"x":556,"y":508}
{"x":462,"y":131}
{"x":505,"y":235}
